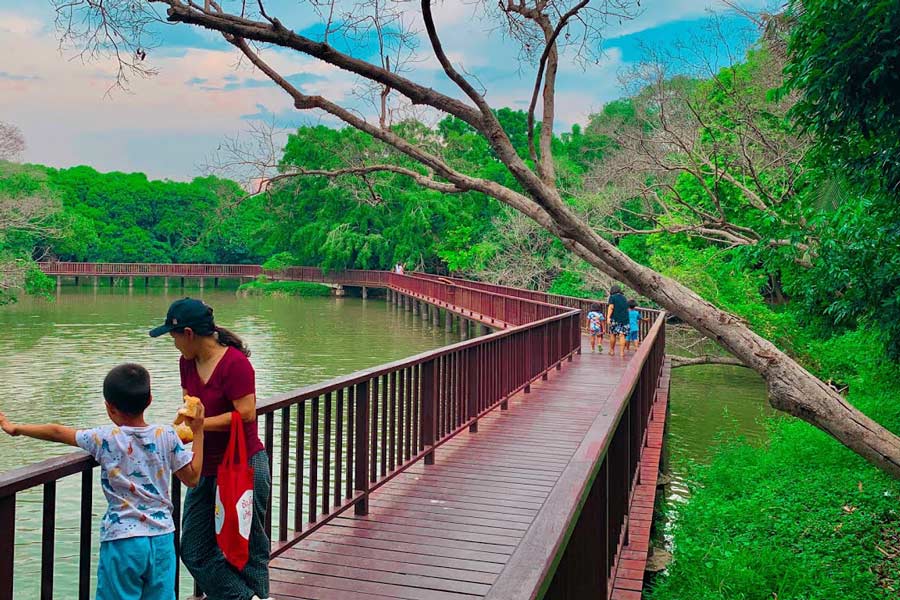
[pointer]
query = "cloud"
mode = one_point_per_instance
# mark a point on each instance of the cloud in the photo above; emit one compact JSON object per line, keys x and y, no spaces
{"x":17,"y":77}
{"x":167,"y":124}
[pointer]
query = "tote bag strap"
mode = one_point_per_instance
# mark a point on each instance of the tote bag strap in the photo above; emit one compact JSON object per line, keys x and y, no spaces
{"x":236,"y":441}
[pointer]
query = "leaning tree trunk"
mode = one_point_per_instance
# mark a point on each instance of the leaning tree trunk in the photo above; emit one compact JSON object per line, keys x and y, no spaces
{"x":791,"y":388}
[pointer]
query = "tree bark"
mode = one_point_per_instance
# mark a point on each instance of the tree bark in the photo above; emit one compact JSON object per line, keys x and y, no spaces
{"x":683,"y":361}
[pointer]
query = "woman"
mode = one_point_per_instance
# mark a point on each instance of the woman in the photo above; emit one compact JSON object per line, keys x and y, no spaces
{"x":215,"y":367}
{"x":617,"y":317}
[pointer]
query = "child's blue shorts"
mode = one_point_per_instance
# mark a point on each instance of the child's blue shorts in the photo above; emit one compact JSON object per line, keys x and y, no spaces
{"x":137,"y":568}
{"x":632,"y":336}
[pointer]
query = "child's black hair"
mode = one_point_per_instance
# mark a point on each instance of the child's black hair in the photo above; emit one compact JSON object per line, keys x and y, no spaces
{"x":595,"y":307}
{"x":632,"y":303}
{"x":127,"y":387}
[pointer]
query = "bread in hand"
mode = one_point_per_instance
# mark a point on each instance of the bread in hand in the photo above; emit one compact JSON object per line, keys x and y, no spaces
{"x":184,"y":433}
{"x":190,"y":409}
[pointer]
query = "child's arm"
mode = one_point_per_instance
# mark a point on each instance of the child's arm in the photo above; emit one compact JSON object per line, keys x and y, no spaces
{"x":50,"y":432}
{"x":189,"y":474}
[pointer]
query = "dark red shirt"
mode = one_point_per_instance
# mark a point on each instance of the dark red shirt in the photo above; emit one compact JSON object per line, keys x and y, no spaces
{"x":232,"y":378}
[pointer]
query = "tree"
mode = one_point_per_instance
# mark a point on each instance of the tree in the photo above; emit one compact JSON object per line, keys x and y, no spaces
{"x":12,"y":142}
{"x":845,"y":68}
{"x":545,"y":29}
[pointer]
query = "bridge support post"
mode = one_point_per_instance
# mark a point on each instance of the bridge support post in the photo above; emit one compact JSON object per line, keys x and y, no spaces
{"x":131,"y":283}
{"x":365,"y":293}
{"x":463,"y":329}
{"x":111,"y":281}
{"x":96,"y":281}
{"x":202,"y":282}
{"x":425,"y":308}
{"x":182,"y":283}
{"x":165,"y":283}
{"x":76,"y":281}
{"x":435,"y":316}
{"x":485,"y":329}
{"x":361,"y":447}
{"x":428,"y":414}
{"x":146,"y":282}
{"x":448,"y":320}
{"x":58,"y":282}
{"x":415,"y":307}
{"x":216,"y":282}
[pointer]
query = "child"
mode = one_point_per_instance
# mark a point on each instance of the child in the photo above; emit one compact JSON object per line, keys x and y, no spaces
{"x":634,"y":326}
{"x":595,"y":325}
{"x":137,"y":539}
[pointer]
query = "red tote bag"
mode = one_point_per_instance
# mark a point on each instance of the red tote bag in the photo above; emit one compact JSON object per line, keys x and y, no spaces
{"x":234,"y":498}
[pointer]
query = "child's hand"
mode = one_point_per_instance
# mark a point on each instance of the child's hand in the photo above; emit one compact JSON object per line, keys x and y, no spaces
{"x":196,"y":423}
{"x":6,"y":426}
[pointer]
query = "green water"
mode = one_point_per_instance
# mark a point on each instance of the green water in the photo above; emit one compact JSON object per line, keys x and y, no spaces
{"x":53,"y":357}
{"x":709,"y":404}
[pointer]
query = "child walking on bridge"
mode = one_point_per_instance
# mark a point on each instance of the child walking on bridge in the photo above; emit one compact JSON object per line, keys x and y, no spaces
{"x":137,"y":534}
{"x":595,"y":326}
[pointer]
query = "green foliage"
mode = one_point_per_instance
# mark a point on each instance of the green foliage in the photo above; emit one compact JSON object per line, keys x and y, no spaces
{"x":279,"y":261}
{"x":262,"y":287}
{"x":845,"y":62}
{"x":38,"y":284}
{"x":800,"y":518}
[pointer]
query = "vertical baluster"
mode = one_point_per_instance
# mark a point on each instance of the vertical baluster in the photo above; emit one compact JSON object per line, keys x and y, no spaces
{"x":385,"y":422}
{"x":392,"y":443}
{"x":351,"y":439}
{"x":314,"y":461}
{"x":373,"y":434}
{"x":415,"y":384}
{"x":410,"y":409}
{"x":472,"y":384}
{"x":84,"y":536}
{"x":361,"y":447}
{"x":48,"y":539}
{"x":428,"y":414}
{"x":339,"y":447}
{"x":299,"y":449}
{"x":7,"y":542}
{"x":326,"y":458}
{"x":283,"y":486}
{"x":269,"y":439}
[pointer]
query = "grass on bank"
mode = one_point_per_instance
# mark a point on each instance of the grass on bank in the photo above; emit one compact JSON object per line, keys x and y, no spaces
{"x":261,"y":287}
{"x":801,"y":518}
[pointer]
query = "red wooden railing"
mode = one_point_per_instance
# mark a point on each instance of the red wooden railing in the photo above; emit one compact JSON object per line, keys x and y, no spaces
{"x":361,"y":430}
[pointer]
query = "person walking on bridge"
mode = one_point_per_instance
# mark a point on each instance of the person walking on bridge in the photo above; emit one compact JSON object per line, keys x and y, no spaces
{"x":215,"y":367}
{"x":617,"y":317}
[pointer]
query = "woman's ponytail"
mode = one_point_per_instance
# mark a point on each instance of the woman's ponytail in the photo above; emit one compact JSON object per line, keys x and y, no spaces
{"x":227,"y":338}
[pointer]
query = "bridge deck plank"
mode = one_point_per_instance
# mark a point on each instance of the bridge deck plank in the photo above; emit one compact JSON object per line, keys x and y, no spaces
{"x":446,"y":531}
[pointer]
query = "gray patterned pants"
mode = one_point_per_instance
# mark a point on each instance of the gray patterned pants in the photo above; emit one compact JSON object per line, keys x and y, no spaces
{"x":200,"y":553}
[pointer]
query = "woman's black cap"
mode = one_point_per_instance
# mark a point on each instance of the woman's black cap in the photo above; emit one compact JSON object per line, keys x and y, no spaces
{"x":187,"y":312}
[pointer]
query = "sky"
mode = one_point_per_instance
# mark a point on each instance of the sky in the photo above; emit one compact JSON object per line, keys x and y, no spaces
{"x":170,"y":124}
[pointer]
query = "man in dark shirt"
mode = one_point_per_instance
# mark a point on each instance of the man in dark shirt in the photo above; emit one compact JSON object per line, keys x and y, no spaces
{"x":617,"y":317}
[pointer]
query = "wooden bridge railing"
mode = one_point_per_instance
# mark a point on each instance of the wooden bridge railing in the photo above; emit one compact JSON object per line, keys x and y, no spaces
{"x":342,"y":439}
{"x":583,"y":524}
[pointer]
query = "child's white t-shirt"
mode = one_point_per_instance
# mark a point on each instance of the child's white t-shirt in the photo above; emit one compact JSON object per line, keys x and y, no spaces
{"x":136,"y":466}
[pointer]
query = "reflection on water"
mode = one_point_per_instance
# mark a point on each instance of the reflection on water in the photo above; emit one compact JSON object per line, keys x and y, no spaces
{"x":708,"y":403}
{"x":53,"y":357}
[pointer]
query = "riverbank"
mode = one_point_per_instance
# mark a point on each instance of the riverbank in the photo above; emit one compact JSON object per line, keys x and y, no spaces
{"x":799,"y":516}
{"x":283,"y":288}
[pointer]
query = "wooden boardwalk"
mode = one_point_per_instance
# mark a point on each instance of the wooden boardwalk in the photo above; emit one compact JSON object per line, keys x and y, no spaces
{"x":446,"y":531}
